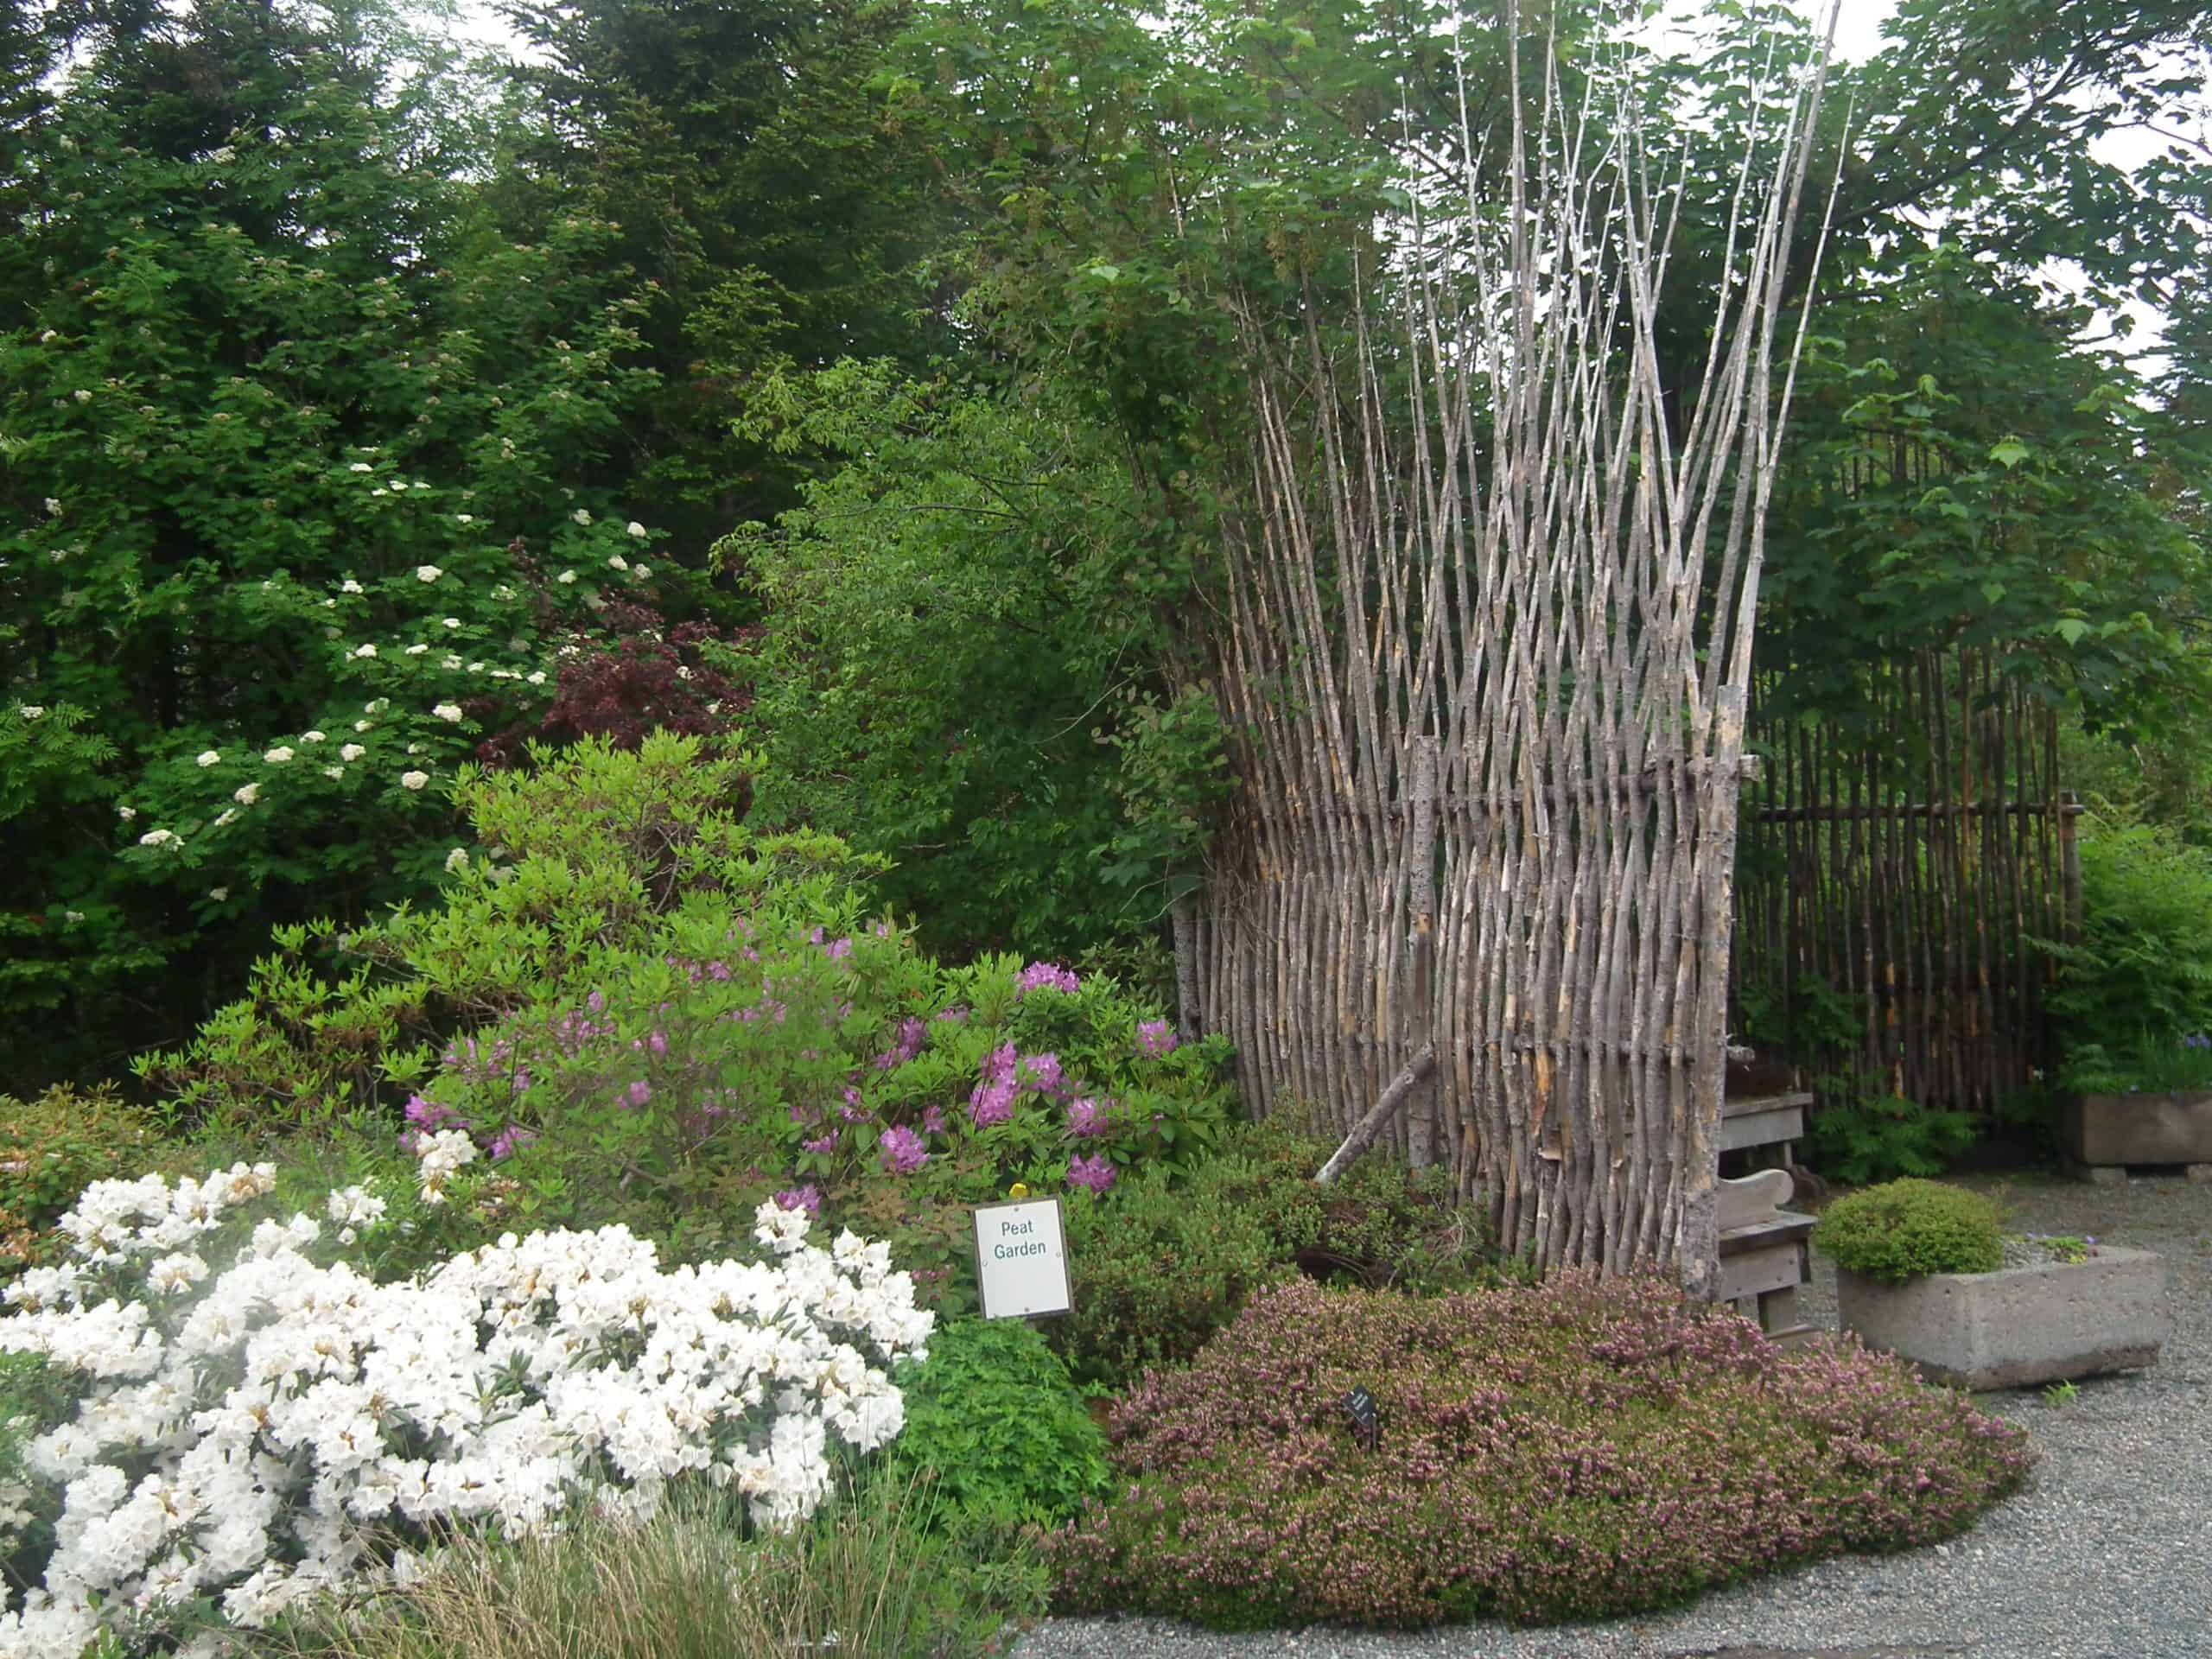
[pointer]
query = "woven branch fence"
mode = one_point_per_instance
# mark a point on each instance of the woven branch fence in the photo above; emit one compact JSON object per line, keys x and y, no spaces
{"x":1485,"y":654}
{"x":1904,"y":865}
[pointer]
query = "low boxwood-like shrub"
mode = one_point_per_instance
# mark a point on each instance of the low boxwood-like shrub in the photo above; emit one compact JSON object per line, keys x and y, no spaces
{"x":995,"y":1430}
{"x":1901,"y":1230}
{"x":1157,"y":1271}
{"x":1580,"y":1449}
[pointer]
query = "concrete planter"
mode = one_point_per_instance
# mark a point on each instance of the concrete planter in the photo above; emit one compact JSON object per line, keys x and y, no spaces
{"x":2106,"y":1130}
{"x":2021,"y":1326}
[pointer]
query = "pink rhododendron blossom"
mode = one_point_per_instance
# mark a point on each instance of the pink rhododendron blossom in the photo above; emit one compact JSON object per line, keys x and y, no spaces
{"x":1095,"y":1172}
{"x":1046,"y":977}
{"x":1155,"y":1038}
{"x":903,"y":1152}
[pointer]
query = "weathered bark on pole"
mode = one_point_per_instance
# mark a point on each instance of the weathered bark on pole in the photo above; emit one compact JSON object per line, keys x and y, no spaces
{"x":1365,"y":1133}
{"x":1419,"y":1002}
{"x":1182,"y":918}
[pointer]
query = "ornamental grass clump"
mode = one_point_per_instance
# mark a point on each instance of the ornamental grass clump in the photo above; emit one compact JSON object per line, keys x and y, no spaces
{"x":1582,"y":1450}
{"x":1902,"y":1229}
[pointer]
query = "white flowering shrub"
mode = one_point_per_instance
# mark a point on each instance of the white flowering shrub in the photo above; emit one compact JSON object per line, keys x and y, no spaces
{"x":255,"y":1424}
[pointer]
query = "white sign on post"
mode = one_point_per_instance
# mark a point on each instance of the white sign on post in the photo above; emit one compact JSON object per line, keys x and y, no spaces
{"x":1021,"y":1259}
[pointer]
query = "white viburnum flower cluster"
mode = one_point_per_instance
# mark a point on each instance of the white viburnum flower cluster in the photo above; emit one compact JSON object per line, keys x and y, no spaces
{"x":258,"y":1431}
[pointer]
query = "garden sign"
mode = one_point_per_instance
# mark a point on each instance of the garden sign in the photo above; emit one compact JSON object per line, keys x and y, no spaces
{"x":1021,"y":1259}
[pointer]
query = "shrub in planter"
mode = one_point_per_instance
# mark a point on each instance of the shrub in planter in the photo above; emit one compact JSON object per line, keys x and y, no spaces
{"x":1580,"y":1449}
{"x":1902,"y":1229}
{"x":995,"y":1430}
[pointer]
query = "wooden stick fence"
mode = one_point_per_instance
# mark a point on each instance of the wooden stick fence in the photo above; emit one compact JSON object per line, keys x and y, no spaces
{"x":1485,"y":655}
{"x":1905,"y":867}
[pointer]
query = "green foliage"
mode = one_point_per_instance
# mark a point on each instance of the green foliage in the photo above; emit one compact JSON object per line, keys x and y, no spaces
{"x":299,"y":444}
{"x":2136,"y":987}
{"x":1903,"y":1229}
{"x":1155,"y":1273}
{"x":994,"y":1431}
{"x":1877,"y":1136}
{"x":1169,"y":1264}
{"x":877,"y":1575}
{"x":51,"y":1149}
{"x":645,"y":1010}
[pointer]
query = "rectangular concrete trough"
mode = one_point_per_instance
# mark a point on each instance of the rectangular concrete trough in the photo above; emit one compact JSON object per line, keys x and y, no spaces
{"x":2174,"y":1128}
{"x":2022,"y":1326}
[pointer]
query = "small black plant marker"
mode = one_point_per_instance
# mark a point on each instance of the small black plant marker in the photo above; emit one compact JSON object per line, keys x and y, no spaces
{"x":1366,"y":1425}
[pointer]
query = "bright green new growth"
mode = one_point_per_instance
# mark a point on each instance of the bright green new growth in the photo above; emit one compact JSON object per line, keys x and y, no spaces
{"x":997,"y":1429}
{"x":1902,"y":1229}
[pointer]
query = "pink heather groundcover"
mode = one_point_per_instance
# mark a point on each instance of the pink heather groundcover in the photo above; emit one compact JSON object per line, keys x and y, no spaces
{"x":1582,"y":1450}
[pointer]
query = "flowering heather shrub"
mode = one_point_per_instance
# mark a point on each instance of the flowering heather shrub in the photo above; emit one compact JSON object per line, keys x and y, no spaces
{"x":50,"y":1149}
{"x":1580,"y":1449}
{"x":1901,"y":1230}
{"x":254,"y":1430}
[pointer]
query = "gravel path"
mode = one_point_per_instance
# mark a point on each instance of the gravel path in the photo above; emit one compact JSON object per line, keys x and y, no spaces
{"x":2108,"y":1554}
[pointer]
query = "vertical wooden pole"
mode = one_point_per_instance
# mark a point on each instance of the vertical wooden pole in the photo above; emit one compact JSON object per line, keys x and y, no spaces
{"x":1421,"y":999}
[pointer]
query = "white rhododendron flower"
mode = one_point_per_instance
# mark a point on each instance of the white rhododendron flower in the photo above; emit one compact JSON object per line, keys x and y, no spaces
{"x":54,"y":506}
{"x":428,"y":572}
{"x":352,"y":752}
{"x":256,"y":1427}
{"x":538,"y":678}
{"x":246,"y":794}
{"x":413,"y":779}
{"x":210,"y":758}
{"x":453,"y":622}
{"x":229,"y":814}
{"x":416,"y":651}
{"x":277,"y":756}
{"x":447,"y":711}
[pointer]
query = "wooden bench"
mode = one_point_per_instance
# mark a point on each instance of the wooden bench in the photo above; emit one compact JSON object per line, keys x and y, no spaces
{"x":1763,"y":1254}
{"x":1755,"y":1123}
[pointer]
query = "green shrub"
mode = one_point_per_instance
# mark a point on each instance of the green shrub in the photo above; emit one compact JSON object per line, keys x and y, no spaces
{"x":1158,"y":1270}
{"x":1903,"y":1229}
{"x":2137,"y":982}
{"x":1870,"y":1135}
{"x":646,"y":1012}
{"x":875,"y":1576}
{"x":51,"y":1149}
{"x":1582,"y":1450}
{"x":997,"y":1429}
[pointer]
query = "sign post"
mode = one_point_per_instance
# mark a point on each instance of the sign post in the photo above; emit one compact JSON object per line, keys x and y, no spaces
{"x":1021,"y":1259}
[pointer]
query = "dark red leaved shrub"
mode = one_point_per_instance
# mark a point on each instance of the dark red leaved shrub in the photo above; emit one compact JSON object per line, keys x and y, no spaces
{"x":1580,"y":1450}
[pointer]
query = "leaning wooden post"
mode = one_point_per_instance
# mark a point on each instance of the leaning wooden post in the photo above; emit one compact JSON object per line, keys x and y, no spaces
{"x":1419,"y":1007}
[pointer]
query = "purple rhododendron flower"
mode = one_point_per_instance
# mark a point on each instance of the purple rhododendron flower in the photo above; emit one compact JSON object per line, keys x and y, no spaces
{"x":933,"y":1120}
{"x":850,"y":1111}
{"x":807,"y":1197}
{"x":1087,"y":1116}
{"x":1042,"y":1073}
{"x":635,"y":1096}
{"x":1046,"y":976}
{"x":1155,"y":1038}
{"x":823,"y":1144}
{"x":429,"y":1117}
{"x":953,"y":1016}
{"x":1095,"y":1172}
{"x":903,"y":1152}
{"x":510,"y":1140}
{"x":992,"y":1103}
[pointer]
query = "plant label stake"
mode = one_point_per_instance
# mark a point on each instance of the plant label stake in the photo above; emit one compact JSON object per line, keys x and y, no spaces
{"x":1366,"y":1423}
{"x":1021,"y":1259}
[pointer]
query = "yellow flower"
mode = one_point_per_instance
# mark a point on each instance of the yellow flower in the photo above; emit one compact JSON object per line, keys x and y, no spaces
{"x":1019,"y":1189}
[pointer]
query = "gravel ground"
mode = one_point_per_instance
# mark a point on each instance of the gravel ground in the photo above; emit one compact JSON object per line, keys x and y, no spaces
{"x":2108,"y":1554}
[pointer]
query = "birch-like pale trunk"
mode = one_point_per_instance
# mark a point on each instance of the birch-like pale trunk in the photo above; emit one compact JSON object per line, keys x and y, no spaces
{"x":1483,"y":653}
